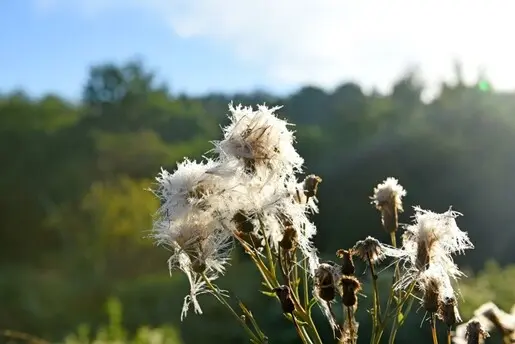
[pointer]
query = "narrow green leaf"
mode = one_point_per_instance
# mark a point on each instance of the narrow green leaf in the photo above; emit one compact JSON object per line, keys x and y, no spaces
{"x":268,"y":293}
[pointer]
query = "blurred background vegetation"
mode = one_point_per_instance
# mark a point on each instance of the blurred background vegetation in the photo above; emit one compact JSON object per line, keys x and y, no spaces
{"x":75,"y":213}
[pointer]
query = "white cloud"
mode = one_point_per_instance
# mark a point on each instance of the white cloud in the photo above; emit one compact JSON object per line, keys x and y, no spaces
{"x":326,"y":41}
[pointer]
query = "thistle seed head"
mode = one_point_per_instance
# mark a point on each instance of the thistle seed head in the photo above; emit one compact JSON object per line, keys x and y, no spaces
{"x":369,"y":249}
{"x":388,"y":200}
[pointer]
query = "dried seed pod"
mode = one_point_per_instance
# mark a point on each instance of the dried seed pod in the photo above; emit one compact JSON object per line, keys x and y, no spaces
{"x":350,"y":287}
{"x":324,"y":282}
{"x":448,"y":311}
{"x":311,"y":185}
{"x":348,"y":267}
{"x":283,"y":292}
{"x":243,"y":222}
{"x":370,"y":250}
{"x":289,"y":240}
{"x":431,"y":289}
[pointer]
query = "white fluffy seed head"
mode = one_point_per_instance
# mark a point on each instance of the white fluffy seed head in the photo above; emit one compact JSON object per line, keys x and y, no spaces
{"x":253,"y":174}
{"x":430,"y":241}
{"x":260,"y":141}
{"x":191,"y":187}
{"x":389,"y":192}
{"x":433,"y":238}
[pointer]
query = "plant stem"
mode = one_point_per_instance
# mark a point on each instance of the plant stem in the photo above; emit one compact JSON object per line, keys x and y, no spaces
{"x":300,"y":333}
{"x":393,"y":239}
{"x":296,"y":281}
{"x":377,"y":312}
{"x":306,"y":287}
{"x":396,"y":321}
{"x":272,"y":282}
{"x":433,"y":328}
{"x":377,"y":308}
{"x":351,"y":325}
{"x":307,"y":318}
{"x":221,"y":299}
{"x":269,"y":255}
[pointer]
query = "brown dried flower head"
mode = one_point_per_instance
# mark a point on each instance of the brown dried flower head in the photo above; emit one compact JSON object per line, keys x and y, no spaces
{"x":350,"y":288}
{"x":369,"y":250}
{"x":283,"y":292}
{"x":348,"y":267}
{"x":311,"y":185}
{"x":243,"y":221}
{"x":289,"y":240}
{"x":431,"y":295}
{"x":431,"y":284}
{"x":325,"y":277}
{"x":448,"y":311}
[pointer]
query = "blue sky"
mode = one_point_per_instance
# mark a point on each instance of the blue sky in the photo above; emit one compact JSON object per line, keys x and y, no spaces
{"x":232,"y":45}
{"x":52,"y":51}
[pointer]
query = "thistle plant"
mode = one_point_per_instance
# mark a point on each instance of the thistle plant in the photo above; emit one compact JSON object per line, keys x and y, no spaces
{"x":247,"y":192}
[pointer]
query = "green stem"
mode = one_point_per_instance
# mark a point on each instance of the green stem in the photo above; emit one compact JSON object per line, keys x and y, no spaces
{"x":268,"y":249}
{"x":306,"y":287}
{"x":296,"y":281}
{"x":272,"y":283}
{"x":222,"y":300}
{"x":400,"y":304}
{"x":300,"y":333}
{"x":313,"y":329}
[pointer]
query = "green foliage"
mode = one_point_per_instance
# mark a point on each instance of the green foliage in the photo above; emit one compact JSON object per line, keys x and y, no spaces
{"x":115,"y":333}
{"x":492,"y":283}
{"x":75,"y":213}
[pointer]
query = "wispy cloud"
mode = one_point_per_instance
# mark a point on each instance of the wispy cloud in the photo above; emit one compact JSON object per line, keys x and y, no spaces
{"x":324,"y":42}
